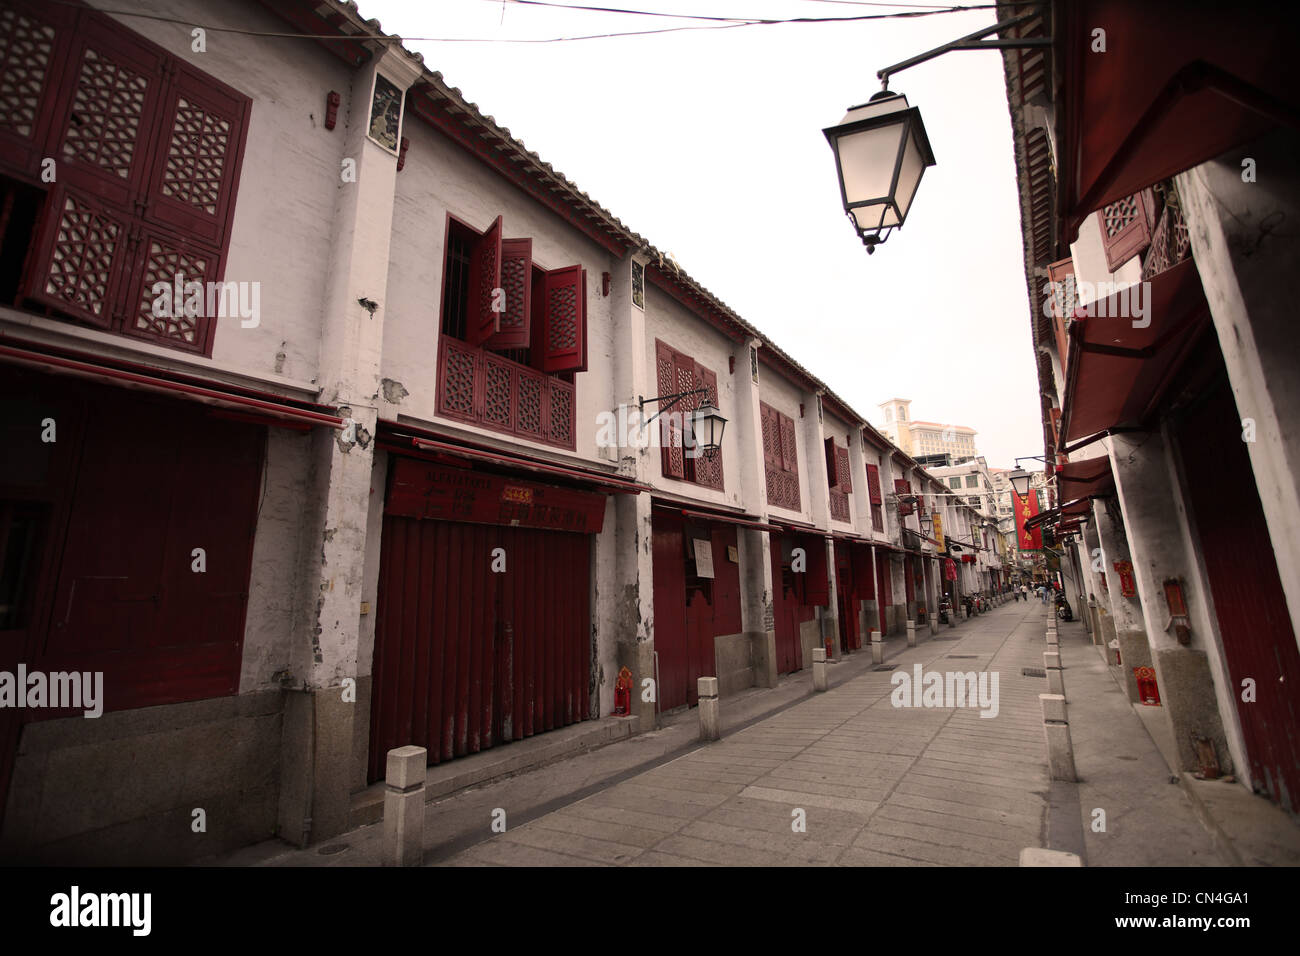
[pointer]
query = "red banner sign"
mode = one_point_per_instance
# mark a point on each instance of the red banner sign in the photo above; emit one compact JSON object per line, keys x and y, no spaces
{"x":1025,"y":509}
{"x":1127,"y":586}
{"x":950,"y":570}
{"x":420,"y":489}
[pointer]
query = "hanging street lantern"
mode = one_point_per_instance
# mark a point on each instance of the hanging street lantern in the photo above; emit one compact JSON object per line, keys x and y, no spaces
{"x":881,"y":151}
{"x":1020,"y":480}
{"x":707,"y":425}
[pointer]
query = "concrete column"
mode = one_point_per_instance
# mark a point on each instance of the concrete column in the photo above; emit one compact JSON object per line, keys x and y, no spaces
{"x":1124,"y":624}
{"x":632,"y":612}
{"x":1196,"y":694}
{"x":829,"y":615}
{"x":1247,"y":261}
{"x":404,"y":806}
{"x":1056,"y":728}
{"x":819,"y":668}
{"x":319,"y":725}
{"x":757,"y":610}
{"x":710,"y":716}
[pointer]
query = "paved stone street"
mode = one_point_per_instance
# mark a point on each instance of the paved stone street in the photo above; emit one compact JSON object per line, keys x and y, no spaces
{"x":880,"y":785}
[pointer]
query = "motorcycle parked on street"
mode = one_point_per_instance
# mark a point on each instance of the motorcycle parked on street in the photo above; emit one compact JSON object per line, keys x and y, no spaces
{"x":1063,"y":610}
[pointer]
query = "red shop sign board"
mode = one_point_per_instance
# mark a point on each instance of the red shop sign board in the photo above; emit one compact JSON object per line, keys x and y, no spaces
{"x":419,"y":489}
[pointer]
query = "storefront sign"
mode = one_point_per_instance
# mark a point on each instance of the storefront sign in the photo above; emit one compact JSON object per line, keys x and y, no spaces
{"x":420,"y":489}
{"x":1127,"y":585}
{"x":938,"y":533}
{"x":703,"y":557}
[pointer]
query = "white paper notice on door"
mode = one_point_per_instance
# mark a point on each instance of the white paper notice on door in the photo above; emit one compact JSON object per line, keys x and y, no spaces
{"x":703,"y":557}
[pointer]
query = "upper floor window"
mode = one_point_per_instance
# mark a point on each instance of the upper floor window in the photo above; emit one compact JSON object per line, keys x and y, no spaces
{"x":839,"y":479}
{"x":513,"y":336}
{"x":677,"y":373}
{"x":780,"y":458}
{"x":118,"y":171}
{"x":875,"y":497}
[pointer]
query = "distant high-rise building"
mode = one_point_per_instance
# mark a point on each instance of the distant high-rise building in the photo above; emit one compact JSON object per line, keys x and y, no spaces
{"x":923,"y":439}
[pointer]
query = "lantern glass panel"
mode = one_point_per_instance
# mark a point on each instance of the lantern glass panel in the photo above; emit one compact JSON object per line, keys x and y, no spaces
{"x":909,"y":173}
{"x":867,"y":161}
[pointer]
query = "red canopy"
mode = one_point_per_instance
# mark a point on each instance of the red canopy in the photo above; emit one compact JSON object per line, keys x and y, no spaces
{"x":1117,"y":370}
{"x":1085,"y":478}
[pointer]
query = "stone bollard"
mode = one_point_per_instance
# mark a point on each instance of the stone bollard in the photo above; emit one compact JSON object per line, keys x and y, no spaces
{"x":1055,"y":675}
{"x":1060,"y":750}
{"x":710,"y":718}
{"x":877,"y":648}
{"x":819,"y":668}
{"x":1053,"y":639}
{"x":1040,"y":856}
{"x":404,"y":806}
{"x":911,"y":634}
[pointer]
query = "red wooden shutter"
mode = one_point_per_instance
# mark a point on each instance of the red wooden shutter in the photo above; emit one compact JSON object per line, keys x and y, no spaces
{"x":1126,"y":227}
{"x":1064,"y":301}
{"x":34,"y":43}
{"x":670,"y":438}
{"x":201,"y":147}
{"x":564,"y":323}
{"x":484,"y":277}
{"x":80,"y":255}
{"x":873,"y":484}
{"x":708,"y":469}
{"x":903,"y":488}
{"x":771,"y":437}
{"x":516,"y":282}
{"x":106,"y":111}
{"x":789,"y":446}
{"x":842,"y":470}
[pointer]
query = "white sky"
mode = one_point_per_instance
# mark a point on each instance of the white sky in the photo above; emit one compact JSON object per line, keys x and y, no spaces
{"x":709,"y":144}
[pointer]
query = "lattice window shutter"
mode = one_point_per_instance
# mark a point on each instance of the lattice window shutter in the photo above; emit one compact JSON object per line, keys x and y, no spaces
{"x":771,"y":437}
{"x":902,"y":487}
{"x":564,"y":320}
{"x":842,"y":470}
{"x":789,"y":446}
{"x":516,"y":283}
{"x":34,"y":42}
{"x":873,"y":484}
{"x":1126,"y":227}
{"x":708,"y":469}
{"x":106,"y":112}
{"x":80,"y":256}
{"x":484,"y":277}
{"x":200,"y":152}
{"x":1064,"y":302}
{"x":670,"y":438}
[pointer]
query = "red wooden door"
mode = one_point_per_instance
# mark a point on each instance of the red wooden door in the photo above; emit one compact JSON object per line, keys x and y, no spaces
{"x":467,"y":658}
{"x":1254,"y":623}
{"x":700,"y":658}
{"x":786,"y":610}
{"x":884,"y":589}
{"x":669,"y":549}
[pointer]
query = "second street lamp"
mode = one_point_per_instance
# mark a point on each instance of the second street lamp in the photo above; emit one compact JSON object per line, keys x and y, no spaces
{"x":707,"y":425}
{"x":881,"y":152}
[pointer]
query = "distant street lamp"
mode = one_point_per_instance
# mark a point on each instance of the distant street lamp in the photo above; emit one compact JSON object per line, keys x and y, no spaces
{"x":881,"y":152}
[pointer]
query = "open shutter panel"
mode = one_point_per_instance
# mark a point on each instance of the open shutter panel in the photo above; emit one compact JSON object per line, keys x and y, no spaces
{"x":670,"y":439}
{"x":1064,"y":302}
{"x":516,"y":282}
{"x":564,"y":325}
{"x":832,"y":466}
{"x":842,"y":470}
{"x":201,"y":145}
{"x":1126,"y":227}
{"x":873,"y":484}
{"x":484,"y":277}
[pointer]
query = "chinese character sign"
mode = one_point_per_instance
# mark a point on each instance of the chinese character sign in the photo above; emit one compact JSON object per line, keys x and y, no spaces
{"x":1025,"y":509}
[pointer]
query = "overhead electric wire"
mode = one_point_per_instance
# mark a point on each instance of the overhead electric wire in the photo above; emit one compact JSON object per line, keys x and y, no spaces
{"x":362,"y":37}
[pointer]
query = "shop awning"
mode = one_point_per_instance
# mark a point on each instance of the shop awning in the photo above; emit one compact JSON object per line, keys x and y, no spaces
{"x":234,"y":401}
{"x":1117,"y":371}
{"x":1179,"y":83}
{"x":798,"y":527}
{"x":1086,"y":478}
{"x":603,"y":481}
{"x":1076,"y":510}
{"x":744,"y":521}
